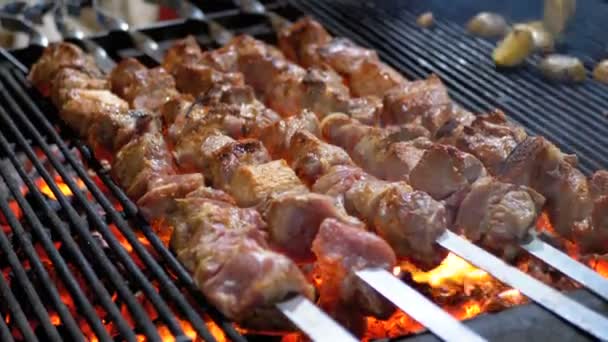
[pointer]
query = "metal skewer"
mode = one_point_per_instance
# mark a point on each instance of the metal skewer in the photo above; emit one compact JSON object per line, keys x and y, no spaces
{"x":277,"y":21}
{"x":17,"y":23}
{"x":568,"y":266}
{"x":553,"y":300}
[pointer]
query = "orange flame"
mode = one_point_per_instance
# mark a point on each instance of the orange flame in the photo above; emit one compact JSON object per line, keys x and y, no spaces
{"x":63,"y":187}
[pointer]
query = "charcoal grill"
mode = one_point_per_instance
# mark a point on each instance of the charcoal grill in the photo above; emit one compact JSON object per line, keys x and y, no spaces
{"x":94,"y":232}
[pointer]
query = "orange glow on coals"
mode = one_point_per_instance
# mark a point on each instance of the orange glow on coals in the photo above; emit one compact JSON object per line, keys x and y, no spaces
{"x":63,"y":187}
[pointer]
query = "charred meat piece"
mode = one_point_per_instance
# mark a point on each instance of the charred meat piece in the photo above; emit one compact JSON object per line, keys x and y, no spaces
{"x":83,"y":107}
{"x":223,"y":164}
{"x":337,"y":180}
{"x":193,"y":150}
{"x":195,"y":79}
{"x":277,"y":137}
{"x":159,"y":201}
{"x":294,"y":218}
{"x":312,"y":158}
{"x":411,"y":100}
{"x":499,"y":215}
{"x":140,"y":163}
{"x":225,"y":249}
{"x":598,"y":184}
{"x":56,"y":57}
{"x":410,"y":221}
{"x":112,"y":131}
{"x":300,"y":40}
{"x":143,"y":88}
{"x":68,"y":78}
{"x":253,"y":184}
{"x":184,"y":51}
{"x":490,"y":138}
{"x":341,"y":250}
{"x":541,"y":165}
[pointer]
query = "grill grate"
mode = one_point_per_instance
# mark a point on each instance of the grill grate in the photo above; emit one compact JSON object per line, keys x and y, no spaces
{"x":145,"y":281}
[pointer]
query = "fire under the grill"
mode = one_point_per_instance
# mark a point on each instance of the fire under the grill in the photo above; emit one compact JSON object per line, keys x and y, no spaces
{"x":79,"y":261}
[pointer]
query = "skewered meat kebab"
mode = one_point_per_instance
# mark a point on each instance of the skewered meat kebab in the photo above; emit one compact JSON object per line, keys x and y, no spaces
{"x":130,"y":160}
{"x":537,"y":163}
{"x":143,"y":165}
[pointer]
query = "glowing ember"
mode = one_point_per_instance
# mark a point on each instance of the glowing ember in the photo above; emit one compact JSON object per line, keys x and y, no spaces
{"x":54,"y":318}
{"x":216,"y":331}
{"x":64,"y":188}
{"x":453,"y":270}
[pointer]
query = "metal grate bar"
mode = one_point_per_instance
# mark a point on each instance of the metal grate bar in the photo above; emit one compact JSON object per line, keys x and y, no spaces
{"x":37,"y":266}
{"x":112,"y":273}
{"x":5,"y":334}
{"x":67,"y":242}
{"x":166,"y":283}
{"x":17,"y":314}
{"x":22,"y":279}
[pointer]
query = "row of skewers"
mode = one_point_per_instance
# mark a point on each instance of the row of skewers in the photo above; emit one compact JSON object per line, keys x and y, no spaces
{"x":401,"y":161}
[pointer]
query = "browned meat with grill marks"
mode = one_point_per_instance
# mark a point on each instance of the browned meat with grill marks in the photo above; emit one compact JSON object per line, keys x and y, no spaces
{"x":443,"y":171}
{"x":195,"y":79}
{"x":225,"y":249}
{"x":541,"y":165}
{"x":57,"y":57}
{"x":174,"y":108}
{"x":410,"y":221}
{"x":223,"y":164}
{"x":140,"y":163}
{"x":598,"y":184}
{"x":277,"y":137}
{"x":182,"y":52}
{"x":341,"y":250}
{"x":68,"y":78}
{"x":337,"y":180}
{"x":112,"y":131}
{"x":311,"y":158}
{"x":307,"y":43}
{"x":417,"y":99}
{"x":255,"y":184}
{"x":159,"y":201}
{"x":499,"y":215}
{"x":143,"y":88}
{"x":83,"y":107}
{"x":193,"y":150}
{"x":490,"y":138}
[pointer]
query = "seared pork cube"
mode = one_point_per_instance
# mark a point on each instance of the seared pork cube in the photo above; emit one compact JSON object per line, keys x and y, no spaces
{"x":341,"y":250}
{"x":338,"y":180}
{"x":490,"y":138}
{"x":410,"y":221}
{"x":312,"y":158}
{"x":277,"y":137}
{"x":159,"y":201}
{"x":414,"y":99}
{"x":294,"y":218}
{"x":224,"y":247}
{"x":499,"y":215}
{"x":174,"y":108}
{"x":83,"y":107}
{"x":224,"y":164}
{"x":68,"y":78}
{"x":56,"y":57}
{"x":539,"y":164}
{"x":192,"y":151}
{"x":125,"y":77}
{"x":253,"y":184}
{"x":443,"y":170}
{"x":141,"y":162}
{"x":299,"y":40}
{"x":598,"y":184}
{"x":342,"y":130}
{"x":196,"y":79}
{"x":374,"y":78}
{"x":112,"y":131}
{"x":183,"y":51}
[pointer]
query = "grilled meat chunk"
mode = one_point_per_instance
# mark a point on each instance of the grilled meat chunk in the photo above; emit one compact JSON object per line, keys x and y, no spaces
{"x":294,"y":219}
{"x":313,"y":157}
{"x":417,"y":99}
{"x":112,"y":131}
{"x":195,"y":79}
{"x":225,"y":249}
{"x":140,"y":163}
{"x":337,"y":180}
{"x":490,"y":138}
{"x":410,"y":221}
{"x":143,"y":88}
{"x":59,"y":56}
{"x":499,"y":215}
{"x":341,"y":250}
{"x":307,"y":43}
{"x":183,"y":52}
{"x":277,"y":137}
{"x":598,"y":184}
{"x":83,"y":107}
{"x":68,"y":78}
{"x":224,"y":164}
{"x":541,"y":165}
{"x":253,"y":184}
